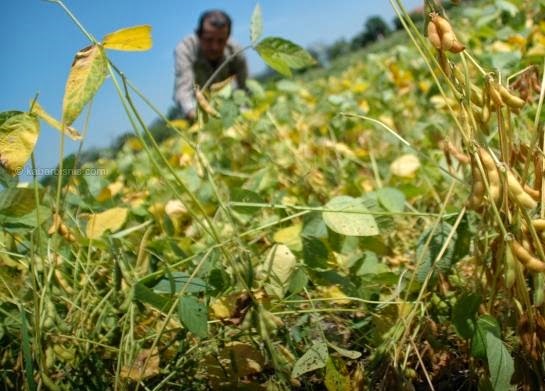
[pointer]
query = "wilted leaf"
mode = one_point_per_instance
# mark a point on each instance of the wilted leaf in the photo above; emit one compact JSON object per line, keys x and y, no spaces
{"x":135,"y":38}
{"x":283,"y":55}
{"x":314,"y":358}
{"x":256,"y":24}
{"x":351,"y":354}
{"x":111,"y":219}
{"x":500,"y":363}
{"x":68,"y":130}
{"x":136,"y":370}
{"x":350,"y":217}
{"x":86,"y":76}
{"x":194,"y":315}
{"x":405,"y":166}
{"x":18,"y":135}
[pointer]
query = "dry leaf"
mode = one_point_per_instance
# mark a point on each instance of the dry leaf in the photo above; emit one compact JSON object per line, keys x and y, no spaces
{"x":233,"y":362}
{"x":136,"y":371}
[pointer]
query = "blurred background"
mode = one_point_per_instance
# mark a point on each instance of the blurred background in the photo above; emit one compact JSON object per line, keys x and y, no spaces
{"x":39,"y":42}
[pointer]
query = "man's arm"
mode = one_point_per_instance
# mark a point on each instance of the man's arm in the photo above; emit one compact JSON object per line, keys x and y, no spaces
{"x":184,"y":79}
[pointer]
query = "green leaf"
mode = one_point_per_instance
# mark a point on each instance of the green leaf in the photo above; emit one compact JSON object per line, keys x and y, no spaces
{"x":194,"y":316}
{"x":179,"y":280}
{"x":500,"y":363}
{"x":6,"y":179}
{"x":314,"y":225}
{"x":314,"y":358}
{"x":27,"y":352}
{"x":465,"y":234}
{"x":298,"y":281}
{"x":350,"y":218}
{"x":428,"y":255}
{"x":315,"y":253}
{"x":86,"y":76}
{"x":334,"y":380}
{"x":506,"y":6}
{"x":17,"y":201}
{"x":464,"y":314}
{"x":146,"y":295}
{"x":369,"y":264}
{"x":29,"y":220}
{"x":485,"y":324}
{"x":256,"y":24}
{"x":391,"y":199}
{"x":283,"y":55}
{"x":245,"y":196}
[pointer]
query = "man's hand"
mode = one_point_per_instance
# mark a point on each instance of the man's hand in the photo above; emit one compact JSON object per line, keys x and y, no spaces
{"x":191,"y":115}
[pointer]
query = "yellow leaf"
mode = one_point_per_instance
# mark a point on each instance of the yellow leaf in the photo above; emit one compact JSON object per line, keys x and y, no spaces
{"x":111,"y":219}
{"x":405,"y":166}
{"x":136,"y":38}
{"x":110,"y":191}
{"x":222,"y":307}
{"x":290,"y":237}
{"x":68,"y":130}
{"x":86,"y":76}
{"x":175,"y":209}
{"x":18,"y":135}
{"x":279,"y":266}
{"x":334,"y":292}
{"x":134,"y":144}
{"x":180,"y":124}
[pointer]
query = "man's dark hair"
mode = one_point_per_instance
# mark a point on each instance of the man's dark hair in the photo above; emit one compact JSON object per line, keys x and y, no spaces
{"x":216,"y":18}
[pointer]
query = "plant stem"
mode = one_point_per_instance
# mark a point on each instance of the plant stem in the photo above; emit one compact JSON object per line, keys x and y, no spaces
{"x":223,"y":65}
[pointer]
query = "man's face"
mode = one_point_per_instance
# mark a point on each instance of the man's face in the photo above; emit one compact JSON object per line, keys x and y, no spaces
{"x":213,"y":41}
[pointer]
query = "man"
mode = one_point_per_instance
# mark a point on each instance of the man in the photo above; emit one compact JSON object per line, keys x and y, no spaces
{"x":199,"y":55}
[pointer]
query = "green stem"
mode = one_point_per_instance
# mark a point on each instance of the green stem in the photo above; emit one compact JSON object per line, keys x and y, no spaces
{"x":223,"y":65}
{"x":75,"y":20}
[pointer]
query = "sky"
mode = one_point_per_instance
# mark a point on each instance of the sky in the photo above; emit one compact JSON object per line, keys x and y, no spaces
{"x":39,"y":41}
